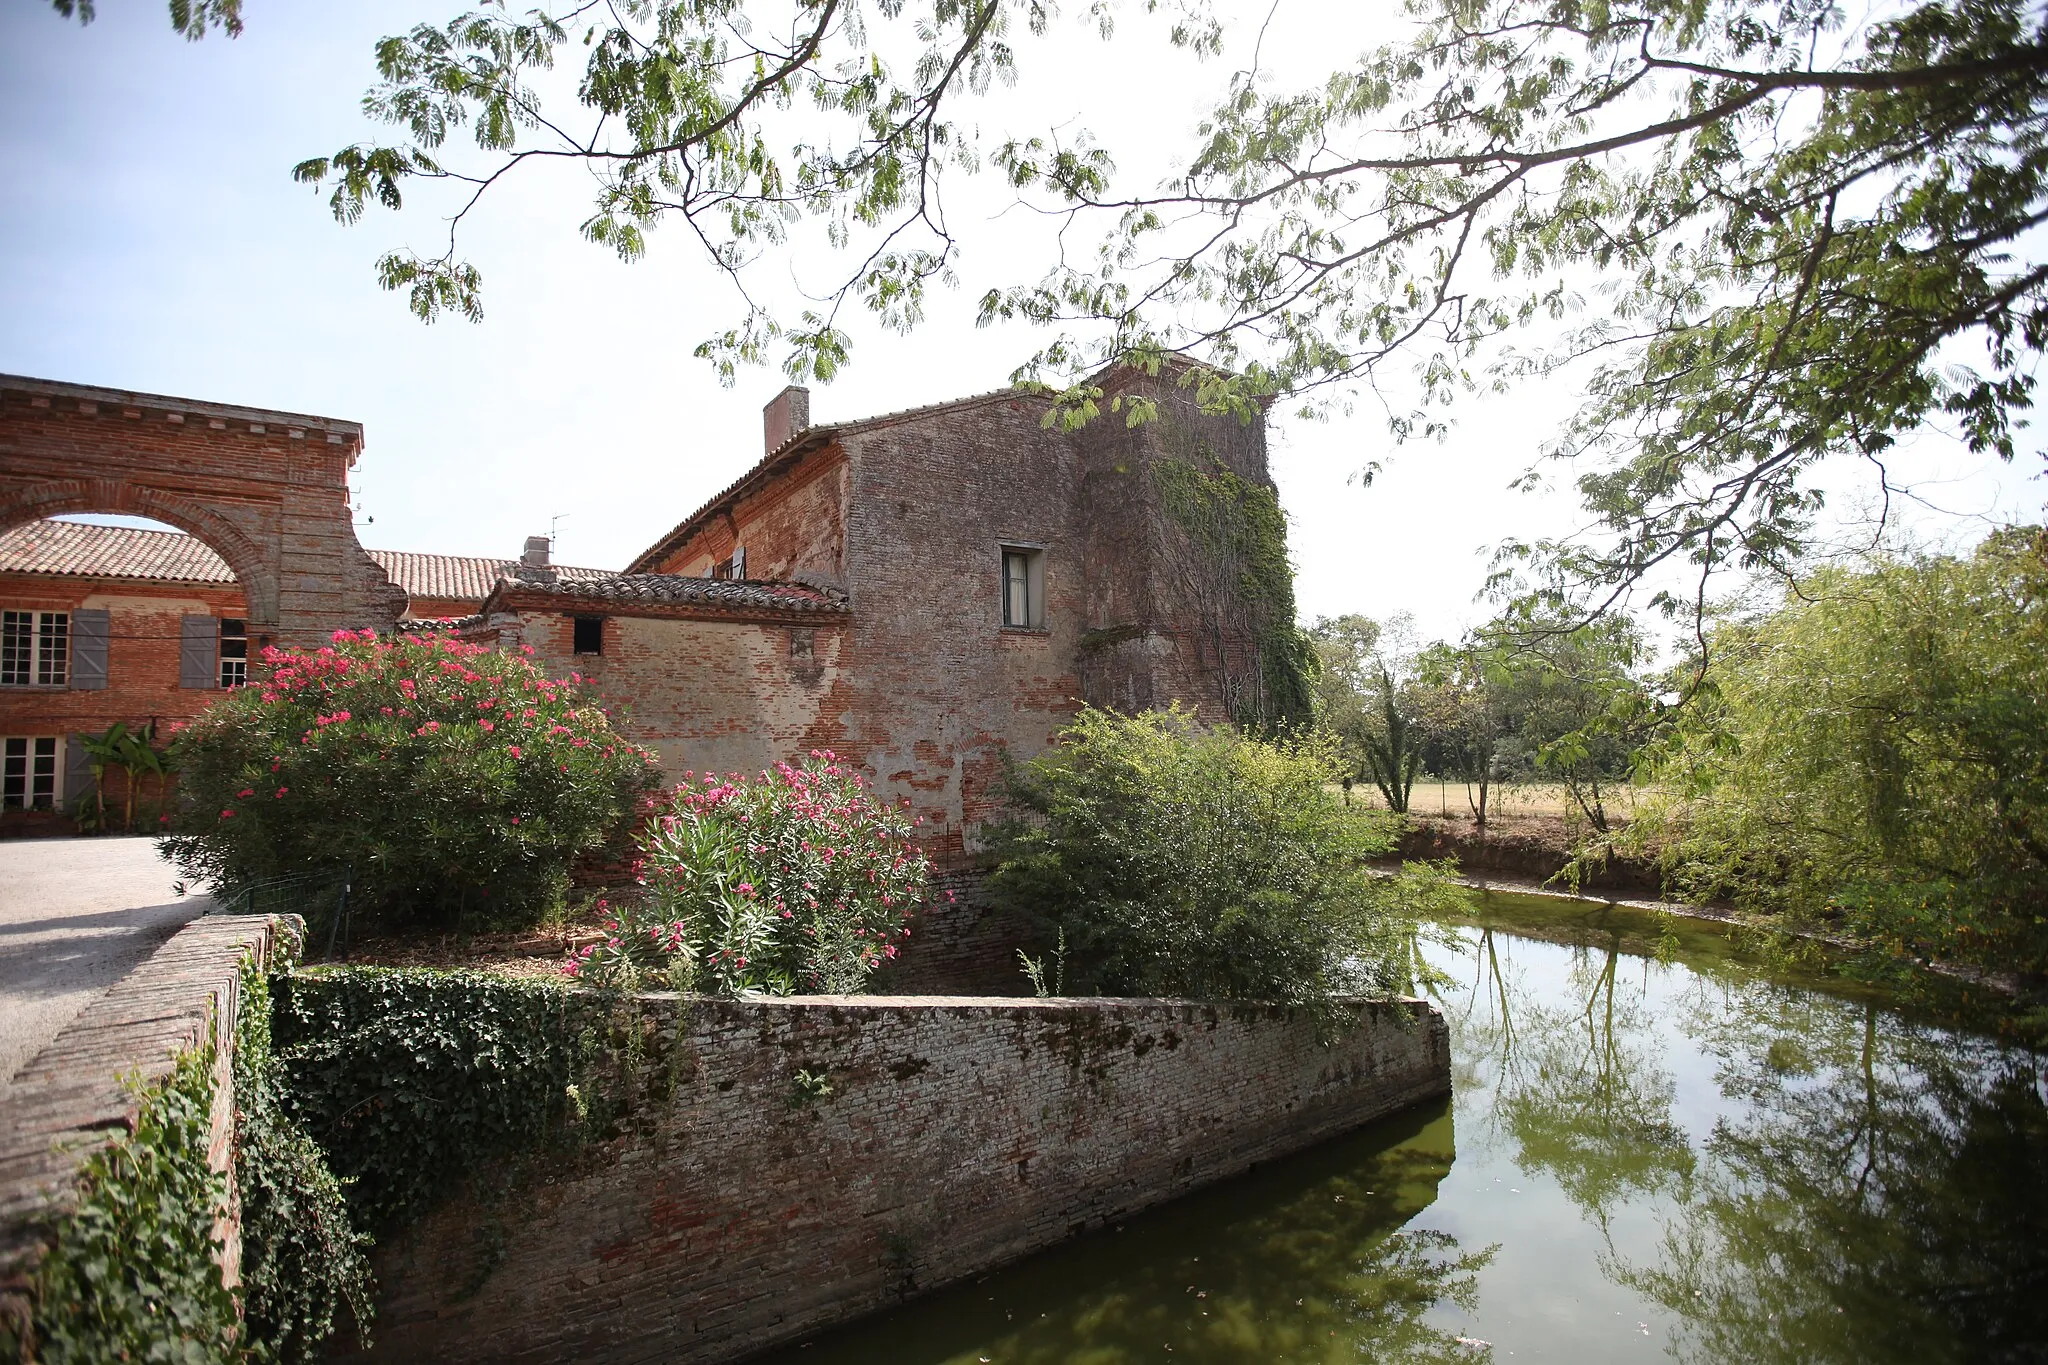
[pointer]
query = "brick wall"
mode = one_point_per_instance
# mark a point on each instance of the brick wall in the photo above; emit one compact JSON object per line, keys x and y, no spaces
{"x":77,"y":1093}
{"x":267,"y":491}
{"x":142,"y":666}
{"x":960,"y":1134}
{"x":706,"y":695}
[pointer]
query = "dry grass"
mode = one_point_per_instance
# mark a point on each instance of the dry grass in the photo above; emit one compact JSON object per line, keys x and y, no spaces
{"x":1504,"y":801}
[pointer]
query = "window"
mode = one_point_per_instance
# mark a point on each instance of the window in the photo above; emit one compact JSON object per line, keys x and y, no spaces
{"x":35,"y":648}
{"x":28,"y":772}
{"x":1023,"y":588}
{"x":234,"y":652}
{"x":590,"y":635}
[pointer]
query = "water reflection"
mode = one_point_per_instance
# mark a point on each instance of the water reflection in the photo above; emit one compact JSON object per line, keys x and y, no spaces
{"x":1297,"y":1262}
{"x":1655,"y":1160}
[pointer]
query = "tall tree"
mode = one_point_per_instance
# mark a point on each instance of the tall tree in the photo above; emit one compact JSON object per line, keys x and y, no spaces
{"x":1775,"y":234}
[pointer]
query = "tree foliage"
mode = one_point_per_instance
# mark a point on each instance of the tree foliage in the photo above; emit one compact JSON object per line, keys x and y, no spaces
{"x":1775,"y":234}
{"x":1180,"y":861}
{"x":1873,"y":754}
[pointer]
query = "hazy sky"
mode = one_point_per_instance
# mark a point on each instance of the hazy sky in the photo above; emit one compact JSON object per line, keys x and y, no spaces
{"x":151,"y":238}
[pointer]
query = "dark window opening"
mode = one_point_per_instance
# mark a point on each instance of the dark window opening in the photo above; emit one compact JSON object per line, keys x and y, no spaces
{"x":234,"y":652}
{"x":28,"y":773}
{"x":590,"y":635}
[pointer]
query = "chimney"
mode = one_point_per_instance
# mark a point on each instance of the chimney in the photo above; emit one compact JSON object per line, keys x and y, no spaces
{"x":788,"y":414}
{"x":533,"y":564}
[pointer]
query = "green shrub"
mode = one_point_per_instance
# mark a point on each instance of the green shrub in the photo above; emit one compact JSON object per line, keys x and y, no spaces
{"x":1179,"y":861}
{"x":800,"y":880}
{"x":446,"y":780}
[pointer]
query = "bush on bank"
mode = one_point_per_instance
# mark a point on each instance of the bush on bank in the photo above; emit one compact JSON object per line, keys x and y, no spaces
{"x":1174,"y":860}
{"x":449,"y":782}
{"x":800,"y":880}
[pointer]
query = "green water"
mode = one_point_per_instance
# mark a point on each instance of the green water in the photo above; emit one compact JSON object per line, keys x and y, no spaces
{"x":1695,"y":1159}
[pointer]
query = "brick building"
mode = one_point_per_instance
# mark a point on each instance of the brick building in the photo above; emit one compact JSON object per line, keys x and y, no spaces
{"x":923,"y":591}
{"x":100,"y":624}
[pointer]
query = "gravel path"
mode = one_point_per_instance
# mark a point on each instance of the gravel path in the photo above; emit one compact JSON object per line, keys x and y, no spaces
{"x":76,"y":915}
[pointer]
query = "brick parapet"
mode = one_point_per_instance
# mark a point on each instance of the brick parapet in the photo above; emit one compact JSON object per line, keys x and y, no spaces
{"x":82,"y":1090}
{"x":959,"y":1134}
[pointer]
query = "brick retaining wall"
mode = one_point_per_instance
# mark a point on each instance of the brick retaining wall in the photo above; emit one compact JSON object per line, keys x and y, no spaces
{"x":960,"y":1134}
{"x":77,"y":1093}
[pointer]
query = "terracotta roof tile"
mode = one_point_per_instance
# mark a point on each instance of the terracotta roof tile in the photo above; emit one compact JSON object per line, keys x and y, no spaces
{"x":87,"y":551}
{"x":735,"y":594}
{"x":72,"y":547}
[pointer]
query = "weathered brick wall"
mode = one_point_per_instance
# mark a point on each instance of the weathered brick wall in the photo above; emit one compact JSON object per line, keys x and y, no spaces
{"x":961,"y":944}
{"x":706,"y":695}
{"x":267,"y":491}
{"x":794,"y":525}
{"x":960,"y":1134}
{"x":77,"y":1093}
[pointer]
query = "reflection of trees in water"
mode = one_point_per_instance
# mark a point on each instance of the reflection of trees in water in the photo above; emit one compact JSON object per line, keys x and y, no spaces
{"x":1875,"y":1189}
{"x":1577,"y":1085}
{"x":1881,"y":1193}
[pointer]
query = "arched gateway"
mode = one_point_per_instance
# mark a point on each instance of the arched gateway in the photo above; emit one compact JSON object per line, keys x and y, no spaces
{"x":268,"y":491}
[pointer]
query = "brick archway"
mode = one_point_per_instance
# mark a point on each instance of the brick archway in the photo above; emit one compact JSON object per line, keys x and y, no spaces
{"x":267,"y":491}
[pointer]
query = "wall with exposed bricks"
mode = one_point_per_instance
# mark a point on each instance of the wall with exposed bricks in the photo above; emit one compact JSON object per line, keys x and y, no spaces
{"x":75,"y":1096}
{"x":960,"y":1134}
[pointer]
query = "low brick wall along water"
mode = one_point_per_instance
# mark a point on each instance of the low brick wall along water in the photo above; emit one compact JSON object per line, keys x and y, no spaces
{"x":741,"y":1209}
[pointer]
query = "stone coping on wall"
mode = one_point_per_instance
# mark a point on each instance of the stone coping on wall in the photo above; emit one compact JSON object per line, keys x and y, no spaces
{"x":737,"y":1209}
{"x":81,"y":1091}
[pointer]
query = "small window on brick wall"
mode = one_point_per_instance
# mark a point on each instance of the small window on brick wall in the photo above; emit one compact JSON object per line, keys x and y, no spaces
{"x":234,"y":652}
{"x":28,"y":772}
{"x":1023,"y":587}
{"x":589,"y":635}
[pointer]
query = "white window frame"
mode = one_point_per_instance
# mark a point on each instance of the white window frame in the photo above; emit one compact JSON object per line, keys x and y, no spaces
{"x":233,"y":655}
{"x":23,"y":772}
{"x":1020,"y":585}
{"x":35,"y":648}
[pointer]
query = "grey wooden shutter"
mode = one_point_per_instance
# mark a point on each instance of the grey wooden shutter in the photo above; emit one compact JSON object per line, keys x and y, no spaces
{"x":78,"y":783}
{"x":198,"y":652}
{"x":89,"y":631}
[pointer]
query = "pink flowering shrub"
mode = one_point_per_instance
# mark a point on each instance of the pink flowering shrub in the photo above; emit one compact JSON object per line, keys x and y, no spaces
{"x":799,"y":880}
{"x":458,"y":783}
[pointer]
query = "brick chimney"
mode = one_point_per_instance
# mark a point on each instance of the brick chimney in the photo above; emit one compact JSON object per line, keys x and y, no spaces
{"x":533,"y":566}
{"x":788,"y":414}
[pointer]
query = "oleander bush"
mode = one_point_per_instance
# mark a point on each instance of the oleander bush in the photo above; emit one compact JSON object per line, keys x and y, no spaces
{"x":449,"y":782}
{"x":1170,"y":859}
{"x":800,"y":879}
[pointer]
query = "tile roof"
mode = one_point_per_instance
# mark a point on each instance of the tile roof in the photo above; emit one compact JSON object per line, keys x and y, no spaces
{"x":72,"y":547}
{"x":87,"y":551}
{"x":728,"y":594}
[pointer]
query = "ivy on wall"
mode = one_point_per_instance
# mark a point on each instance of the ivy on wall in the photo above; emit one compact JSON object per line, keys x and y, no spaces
{"x":416,"y":1083}
{"x":1233,"y":569}
{"x":133,"y":1271}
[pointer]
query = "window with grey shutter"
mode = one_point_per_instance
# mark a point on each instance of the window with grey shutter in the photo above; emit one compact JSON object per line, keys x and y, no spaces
{"x":78,"y":783}
{"x":198,"y":646}
{"x":89,"y":631}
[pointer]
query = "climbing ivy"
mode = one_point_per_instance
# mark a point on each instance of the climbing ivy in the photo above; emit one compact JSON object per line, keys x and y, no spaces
{"x":131,"y":1273}
{"x":1235,"y":569}
{"x":415,"y":1082}
{"x":303,"y":1261}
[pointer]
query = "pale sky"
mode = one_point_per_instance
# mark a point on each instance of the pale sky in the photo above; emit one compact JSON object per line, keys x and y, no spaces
{"x":151,"y":238}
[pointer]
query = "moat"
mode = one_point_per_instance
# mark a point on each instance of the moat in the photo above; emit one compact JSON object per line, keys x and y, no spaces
{"x":1690,"y":1156}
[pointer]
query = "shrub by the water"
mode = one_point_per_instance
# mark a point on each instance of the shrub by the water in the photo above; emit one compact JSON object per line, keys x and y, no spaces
{"x":800,"y":879}
{"x":451,"y":782}
{"x":1175,"y":860}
